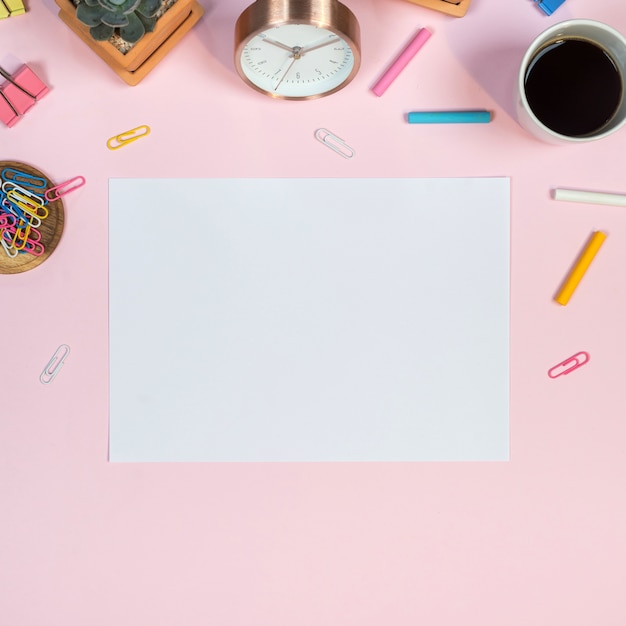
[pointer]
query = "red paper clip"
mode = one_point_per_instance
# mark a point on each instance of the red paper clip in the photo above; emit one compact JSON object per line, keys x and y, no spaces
{"x":569,"y":365}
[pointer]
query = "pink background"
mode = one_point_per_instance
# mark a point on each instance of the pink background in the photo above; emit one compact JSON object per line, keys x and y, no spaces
{"x":538,"y":540}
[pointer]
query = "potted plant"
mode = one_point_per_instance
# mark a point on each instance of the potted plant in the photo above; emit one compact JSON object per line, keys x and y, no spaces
{"x":131,"y":36}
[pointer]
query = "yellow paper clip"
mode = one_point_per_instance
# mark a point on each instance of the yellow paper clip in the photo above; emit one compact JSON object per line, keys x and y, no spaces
{"x":123,"y":139}
{"x":28,"y":202}
{"x":334,"y":143}
{"x":54,"y":364}
{"x":20,"y":237}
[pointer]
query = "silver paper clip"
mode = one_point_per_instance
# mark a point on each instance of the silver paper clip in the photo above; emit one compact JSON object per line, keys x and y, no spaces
{"x":334,"y":143}
{"x":54,"y":364}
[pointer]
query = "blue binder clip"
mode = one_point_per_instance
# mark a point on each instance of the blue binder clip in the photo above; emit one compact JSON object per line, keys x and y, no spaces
{"x":549,"y":6}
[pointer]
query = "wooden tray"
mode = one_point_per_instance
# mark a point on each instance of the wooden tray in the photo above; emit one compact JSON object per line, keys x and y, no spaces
{"x":51,"y":228}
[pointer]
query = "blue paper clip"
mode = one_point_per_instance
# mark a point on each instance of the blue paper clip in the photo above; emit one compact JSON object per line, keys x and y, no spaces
{"x":15,"y":211}
{"x":23,"y":179}
{"x":549,"y":6}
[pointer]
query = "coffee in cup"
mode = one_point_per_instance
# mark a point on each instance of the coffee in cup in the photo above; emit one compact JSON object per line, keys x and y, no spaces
{"x":571,"y":82}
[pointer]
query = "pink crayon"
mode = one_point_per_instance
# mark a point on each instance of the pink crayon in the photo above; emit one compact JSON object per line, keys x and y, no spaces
{"x":401,"y":61}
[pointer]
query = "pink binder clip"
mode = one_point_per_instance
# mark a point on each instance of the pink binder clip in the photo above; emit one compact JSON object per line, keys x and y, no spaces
{"x":569,"y":365}
{"x":19,"y":93}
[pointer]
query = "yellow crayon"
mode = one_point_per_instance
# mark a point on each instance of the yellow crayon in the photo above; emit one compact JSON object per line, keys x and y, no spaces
{"x":581,"y":266}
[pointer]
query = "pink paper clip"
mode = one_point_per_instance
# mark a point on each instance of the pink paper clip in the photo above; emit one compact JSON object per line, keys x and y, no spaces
{"x":569,"y":365}
{"x":54,"y":193}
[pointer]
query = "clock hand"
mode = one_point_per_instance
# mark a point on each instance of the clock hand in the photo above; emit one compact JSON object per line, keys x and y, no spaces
{"x":295,"y":58}
{"x":319,"y":45}
{"x":277,"y":43}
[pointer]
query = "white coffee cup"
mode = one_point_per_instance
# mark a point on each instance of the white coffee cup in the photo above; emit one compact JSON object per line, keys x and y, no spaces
{"x":603,"y":36}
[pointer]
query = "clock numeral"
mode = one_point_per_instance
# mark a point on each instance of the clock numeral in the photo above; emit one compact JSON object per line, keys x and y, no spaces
{"x":298,"y":75}
{"x":318,"y":71}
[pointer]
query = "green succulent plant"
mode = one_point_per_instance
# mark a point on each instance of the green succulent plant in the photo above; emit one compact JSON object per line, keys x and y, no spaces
{"x":130,"y":19}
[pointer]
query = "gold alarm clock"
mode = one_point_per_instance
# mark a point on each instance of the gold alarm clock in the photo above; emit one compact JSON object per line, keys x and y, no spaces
{"x":297,"y":49}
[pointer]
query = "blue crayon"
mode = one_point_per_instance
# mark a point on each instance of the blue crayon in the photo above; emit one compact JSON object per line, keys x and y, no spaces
{"x":449,"y":117}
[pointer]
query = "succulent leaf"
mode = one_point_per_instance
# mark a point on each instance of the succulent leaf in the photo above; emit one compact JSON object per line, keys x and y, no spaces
{"x":130,"y":19}
{"x":120,"y":6}
{"x":102,"y":32}
{"x":148,"y":8}
{"x":114,"y":19}
{"x":91,"y":16}
{"x":149,"y":23}
{"x":134,"y":31}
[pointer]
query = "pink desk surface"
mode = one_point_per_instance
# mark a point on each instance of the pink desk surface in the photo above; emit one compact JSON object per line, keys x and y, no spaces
{"x":539,"y":540}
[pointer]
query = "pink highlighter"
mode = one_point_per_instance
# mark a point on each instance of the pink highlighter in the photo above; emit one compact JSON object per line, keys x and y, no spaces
{"x":401,"y":61}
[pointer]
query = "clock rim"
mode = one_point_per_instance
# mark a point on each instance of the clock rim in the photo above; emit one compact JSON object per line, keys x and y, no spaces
{"x":331,"y":15}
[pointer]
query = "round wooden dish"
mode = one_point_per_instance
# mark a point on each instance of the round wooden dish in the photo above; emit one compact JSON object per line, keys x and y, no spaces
{"x":51,"y":228}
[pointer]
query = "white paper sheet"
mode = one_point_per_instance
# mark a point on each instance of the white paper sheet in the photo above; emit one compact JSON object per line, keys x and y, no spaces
{"x":309,"y":320}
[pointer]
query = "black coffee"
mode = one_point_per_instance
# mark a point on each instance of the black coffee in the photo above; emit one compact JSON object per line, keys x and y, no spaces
{"x":574,"y":87}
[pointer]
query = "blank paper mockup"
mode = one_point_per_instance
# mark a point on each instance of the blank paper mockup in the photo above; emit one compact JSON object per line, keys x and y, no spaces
{"x":278,"y":320}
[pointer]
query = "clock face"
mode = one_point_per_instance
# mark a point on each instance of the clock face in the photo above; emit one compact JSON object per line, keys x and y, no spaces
{"x":297,"y":61}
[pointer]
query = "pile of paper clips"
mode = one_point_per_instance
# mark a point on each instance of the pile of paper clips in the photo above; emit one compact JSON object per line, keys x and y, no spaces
{"x":23,"y":207}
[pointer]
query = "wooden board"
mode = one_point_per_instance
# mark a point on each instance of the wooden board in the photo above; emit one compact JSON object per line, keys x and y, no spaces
{"x":51,"y":227}
{"x":456,"y":8}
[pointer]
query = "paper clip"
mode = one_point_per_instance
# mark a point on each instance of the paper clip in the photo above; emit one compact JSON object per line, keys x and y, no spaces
{"x":569,"y":365}
{"x":11,"y":252}
{"x":54,"y":364}
{"x":34,"y":247}
{"x":119,"y":141}
{"x":23,"y":179}
{"x":334,"y":143}
{"x":20,"y":237}
{"x":54,"y":193}
{"x":27,"y":202}
{"x":13,"y":210}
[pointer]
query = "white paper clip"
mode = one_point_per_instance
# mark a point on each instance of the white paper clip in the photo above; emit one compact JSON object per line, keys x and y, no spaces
{"x":54,"y":364}
{"x":334,"y":143}
{"x":9,"y":249}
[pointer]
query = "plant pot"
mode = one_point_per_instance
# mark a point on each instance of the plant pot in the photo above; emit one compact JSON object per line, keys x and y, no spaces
{"x":135,"y":64}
